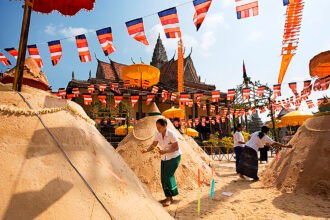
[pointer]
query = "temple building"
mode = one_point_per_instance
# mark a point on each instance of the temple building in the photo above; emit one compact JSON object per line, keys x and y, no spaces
{"x":110,"y":72}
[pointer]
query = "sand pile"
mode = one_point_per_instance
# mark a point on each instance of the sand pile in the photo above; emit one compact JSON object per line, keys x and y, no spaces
{"x":305,"y":168}
{"x":147,"y":166}
{"x":38,"y":182}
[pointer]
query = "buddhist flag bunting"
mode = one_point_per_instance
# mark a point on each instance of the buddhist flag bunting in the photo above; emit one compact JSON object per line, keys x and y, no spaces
{"x":135,"y":29}
{"x":150,"y":97}
{"x":184,"y":97}
{"x":231,"y":94}
{"x":201,"y":7}
{"x":34,"y":53}
{"x":170,"y":21}
{"x":319,"y":101}
{"x":215,"y":96}
{"x":246,"y":93}
{"x":261,"y":90}
{"x":310,"y":104}
{"x":83,"y":51}
{"x":55,"y":50}
{"x":102,"y":87}
{"x":190,"y":103}
{"x":87,"y":99}
{"x":288,"y":2}
{"x":154,"y":89}
{"x":102,"y":98}
{"x":105,"y":38}
{"x":69,"y":96}
{"x":212,"y":108}
{"x":4,"y":60}
{"x":317,"y":85}
{"x":165,"y":95}
{"x":126,"y":84}
{"x":134,"y":99}
{"x":246,"y":8}
{"x":307,"y":86}
{"x":90,"y":89}
{"x":75,"y":92}
{"x":145,"y":84}
{"x":12,"y":51}
{"x":325,"y":82}
{"x":293,"y":87}
{"x":118,"y":99}
{"x":173,"y":97}
{"x":62,"y":92}
{"x":277,"y":90}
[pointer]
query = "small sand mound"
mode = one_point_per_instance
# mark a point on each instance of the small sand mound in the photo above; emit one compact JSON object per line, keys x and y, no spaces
{"x":147,"y":166}
{"x":305,"y":168}
{"x":37,"y":182}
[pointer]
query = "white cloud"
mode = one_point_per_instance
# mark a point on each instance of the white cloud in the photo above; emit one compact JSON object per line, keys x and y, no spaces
{"x":67,"y":32}
{"x":208,"y":39}
{"x":213,"y":20}
{"x":50,"y":29}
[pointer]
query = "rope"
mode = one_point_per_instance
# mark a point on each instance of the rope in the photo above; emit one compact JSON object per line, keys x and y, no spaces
{"x":141,"y":139}
{"x":316,"y":130}
{"x":68,"y":159}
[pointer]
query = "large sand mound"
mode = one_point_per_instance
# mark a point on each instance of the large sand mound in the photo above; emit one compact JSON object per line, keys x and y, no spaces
{"x":147,"y":166}
{"x":38,"y":182}
{"x":306,"y":167}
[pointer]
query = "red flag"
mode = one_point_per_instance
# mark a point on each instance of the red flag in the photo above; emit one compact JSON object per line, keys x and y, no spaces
{"x":75,"y":92}
{"x":134,"y":99}
{"x":4,"y":60}
{"x":87,"y":99}
{"x":215,"y":96}
{"x":170,"y":22}
{"x":261,"y":90}
{"x":118,"y":99}
{"x":102,"y":99}
{"x":201,"y":7}
{"x":246,"y":93}
{"x":12,"y":51}
{"x":105,"y":38}
{"x":277,"y":90}
{"x":231,"y":94}
{"x":55,"y":50}
{"x":83,"y":51}
{"x":293,"y":87}
{"x":135,"y":29}
{"x":150,"y":97}
{"x":90,"y":89}
{"x":34,"y":53}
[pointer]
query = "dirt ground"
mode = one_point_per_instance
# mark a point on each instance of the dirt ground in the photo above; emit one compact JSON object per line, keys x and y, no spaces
{"x":250,"y":200}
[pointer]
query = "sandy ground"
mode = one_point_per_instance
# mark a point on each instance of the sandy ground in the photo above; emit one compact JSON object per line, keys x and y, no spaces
{"x":250,"y":200}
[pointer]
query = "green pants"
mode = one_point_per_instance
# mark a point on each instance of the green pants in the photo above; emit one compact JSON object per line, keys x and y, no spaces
{"x":168,"y":168}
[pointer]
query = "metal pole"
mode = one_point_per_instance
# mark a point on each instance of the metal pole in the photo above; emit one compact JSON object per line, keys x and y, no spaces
{"x":18,"y":77}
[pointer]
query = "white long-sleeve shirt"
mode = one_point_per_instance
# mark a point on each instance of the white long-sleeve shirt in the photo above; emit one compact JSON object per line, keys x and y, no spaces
{"x":255,"y":142}
{"x":238,"y":137}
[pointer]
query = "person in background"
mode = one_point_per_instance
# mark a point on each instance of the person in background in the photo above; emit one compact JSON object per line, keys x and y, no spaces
{"x":248,"y":164}
{"x":238,"y":143}
{"x":177,"y":125}
{"x":170,"y":159}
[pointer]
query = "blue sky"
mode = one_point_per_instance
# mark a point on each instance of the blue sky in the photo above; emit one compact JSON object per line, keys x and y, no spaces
{"x":218,"y":48}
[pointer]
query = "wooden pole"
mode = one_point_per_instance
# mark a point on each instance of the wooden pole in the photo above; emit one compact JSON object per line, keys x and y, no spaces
{"x":180,"y":73}
{"x":18,"y":77}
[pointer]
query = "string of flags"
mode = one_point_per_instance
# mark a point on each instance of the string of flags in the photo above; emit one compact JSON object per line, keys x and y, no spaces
{"x":222,"y":113}
{"x":168,"y":18}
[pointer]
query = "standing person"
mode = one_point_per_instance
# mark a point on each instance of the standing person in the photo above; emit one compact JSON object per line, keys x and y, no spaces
{"x":177,"y":125}
{"x":238,"y":144}
{"x":248,"y":164}
{"x":170,"y":158}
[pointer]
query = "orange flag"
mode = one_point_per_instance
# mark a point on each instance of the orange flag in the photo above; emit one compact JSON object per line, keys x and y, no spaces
{"x":286,"y":59}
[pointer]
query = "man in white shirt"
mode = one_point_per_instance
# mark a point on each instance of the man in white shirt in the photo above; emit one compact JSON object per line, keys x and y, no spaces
{"x":170,"y":153}
{"x":248,"y":164}
{"x":238,"y":143}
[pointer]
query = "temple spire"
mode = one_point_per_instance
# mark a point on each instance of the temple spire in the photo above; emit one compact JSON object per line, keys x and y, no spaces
{"x":72,"y":75}
{"x":159,"y":56}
